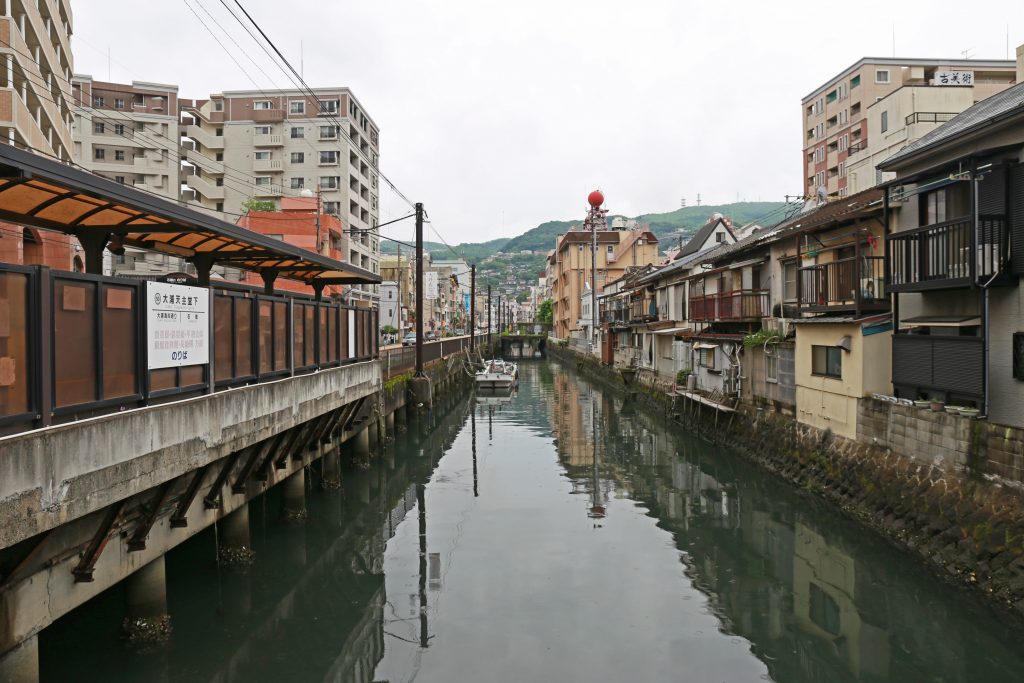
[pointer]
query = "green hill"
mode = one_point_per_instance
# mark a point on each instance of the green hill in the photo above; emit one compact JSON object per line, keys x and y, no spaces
{"x":684,"y":221}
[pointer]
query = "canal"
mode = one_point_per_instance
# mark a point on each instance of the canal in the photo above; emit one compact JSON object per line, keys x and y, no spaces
{"x":557,"y":534}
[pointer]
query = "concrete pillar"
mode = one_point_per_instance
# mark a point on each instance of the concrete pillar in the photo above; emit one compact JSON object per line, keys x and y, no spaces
{"x":398,"y":418}
{"x":21,"y":665}
{"x":234,"y":539}
{"x":389,"y":424}
{"x":373,"y":436}
{"x":331,"y":468}
{"x":293,"y":496}
{"x":361,"y":444}
{"x":146,"y":593}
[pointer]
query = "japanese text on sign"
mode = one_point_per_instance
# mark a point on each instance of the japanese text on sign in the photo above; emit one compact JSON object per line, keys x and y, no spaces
{"x":430,"y":282}
{"x":178,"y":325}
{"x":954,"y":78}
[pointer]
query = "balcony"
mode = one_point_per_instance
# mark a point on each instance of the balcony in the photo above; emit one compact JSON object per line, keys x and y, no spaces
{"x":268,"y":190}
{"x":267,"y":165}
{"x":737,"y":305}
{"x":204,"y":162}
{"x":928,"y":117}
{"x":204,"y":187}
{"x":847,"y":284}
{"x":939,"y":256}
{"x":261,"y":140}
{"x":268,"y":115}
{"x":204,"y":137}
{"x":948,"y":365}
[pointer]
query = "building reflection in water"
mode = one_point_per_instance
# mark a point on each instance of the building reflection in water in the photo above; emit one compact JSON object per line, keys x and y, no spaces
{"x":777,"y":569}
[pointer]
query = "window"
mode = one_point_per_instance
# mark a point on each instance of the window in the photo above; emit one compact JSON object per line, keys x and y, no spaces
{"x":298,"y":183}
{"x":297,"y":107}
{"x":330,"y":182}
{"x":298,"y":157}
{"x":119,"y":129}
{"x":262,"y":156}
{"x":831,"y":97}
{"x":1018,"y":355}
{"x":329,"y":106}
{"x":98,"y":127}
{"x":220,"y":206}
{"x":706,"y":358}
{"x":262,"y":180}
{"x":99,"y":154}
{"x":771,"y":367}
{"x":611,"y":249}
{"x":332,"y":208}
{"x":789,"y":273}
{"x":881,"y":76}
{"x":885,"y":121}
{"x":219,"y":182}
{"x":118,"y":155}
{"x":827,"y":361}
{"x":119,"y":179}
{"x":218,"y":105}
{"x":298,"y":132}
{"x":329,"y":158}
{"x":719,"y":237}
{"x":262,"y":130}
{"x":97,"y":101}
{"x":220,"y":156}
{"x":219,"y":132}
{"x":261,"y":105}
{"x":854,"y":82}
{"x":328,"y":132}
{"x":118,"y":103}
{"x":935,"y":207}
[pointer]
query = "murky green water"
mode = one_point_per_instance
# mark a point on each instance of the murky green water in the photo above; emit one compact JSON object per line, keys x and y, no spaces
{"x":556,"y":535}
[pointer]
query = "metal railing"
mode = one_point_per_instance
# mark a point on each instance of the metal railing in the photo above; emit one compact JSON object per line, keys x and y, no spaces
{"x":395,"y":361}
{"x":945,"y":254}
{"x":740,"y":304}
{"x":845,"y":283}
{"x":929,"y":117}
{"x":74,"y":345}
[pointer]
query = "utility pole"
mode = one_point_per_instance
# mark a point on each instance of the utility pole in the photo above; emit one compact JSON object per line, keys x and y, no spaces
{"x":489,"y":317}
{"x":472,"y":307}
{"x":419,"y":289}
{"x":319,"y":198}
{"x":595,"y":220}
{"x":398,"y":272}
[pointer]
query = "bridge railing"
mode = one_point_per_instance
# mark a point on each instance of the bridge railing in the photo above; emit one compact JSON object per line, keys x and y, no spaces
{"x":74,"y":345}
{"x":396,"y":361}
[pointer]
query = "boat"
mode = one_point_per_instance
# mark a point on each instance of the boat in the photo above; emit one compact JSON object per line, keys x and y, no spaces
{"x":497,"y":374}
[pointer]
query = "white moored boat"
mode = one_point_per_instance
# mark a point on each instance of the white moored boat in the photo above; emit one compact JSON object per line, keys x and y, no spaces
{"x":497,"y":374}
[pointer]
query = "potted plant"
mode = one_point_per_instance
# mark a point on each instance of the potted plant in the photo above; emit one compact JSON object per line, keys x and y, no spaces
{"x":969,"y":412}
{"x":923,"y":403}
{"x":938,"y":406}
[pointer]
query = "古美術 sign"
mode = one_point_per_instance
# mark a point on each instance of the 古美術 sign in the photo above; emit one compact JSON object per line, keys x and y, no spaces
{"x":178,"y":325}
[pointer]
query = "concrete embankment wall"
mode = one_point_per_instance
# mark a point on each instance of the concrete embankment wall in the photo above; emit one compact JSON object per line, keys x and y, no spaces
{"x":939,"y":486}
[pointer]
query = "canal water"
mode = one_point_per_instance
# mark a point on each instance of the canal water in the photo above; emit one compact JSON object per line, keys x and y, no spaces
{"x":556,"y":534}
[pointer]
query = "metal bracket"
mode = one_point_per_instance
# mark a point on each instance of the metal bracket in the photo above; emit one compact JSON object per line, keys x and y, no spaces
{"x":138,"y":539}
{"x":84,"y":570}
{"x":211,"y":501}
{"x":179,"y":519}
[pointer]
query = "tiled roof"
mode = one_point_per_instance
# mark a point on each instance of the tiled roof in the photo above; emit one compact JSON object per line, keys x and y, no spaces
{"x":980,"y":115}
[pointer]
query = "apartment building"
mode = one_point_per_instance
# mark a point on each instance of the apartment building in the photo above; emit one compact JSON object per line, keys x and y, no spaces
{"x":570,"y":269}
{"x":835,"y":115}
{"x":266,"y":145}
{"x":129,"y":133}
{"x":35,"y":111}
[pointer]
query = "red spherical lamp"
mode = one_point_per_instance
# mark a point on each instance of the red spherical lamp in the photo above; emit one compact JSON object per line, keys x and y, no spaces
{"x":595,"y":198}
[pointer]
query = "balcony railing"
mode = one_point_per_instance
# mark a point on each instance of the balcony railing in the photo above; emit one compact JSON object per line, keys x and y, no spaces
{"x":928,"y":117}
{"x":850,"y":283}
{"x":944,"y":255}
{"x":947,"y":365}
{"x":740,"y":304}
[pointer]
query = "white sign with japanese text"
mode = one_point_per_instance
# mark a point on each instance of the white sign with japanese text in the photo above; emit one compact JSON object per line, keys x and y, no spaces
{"x":430,"y":282}
{"x":953,"y":78}
{"x":178,"y":325}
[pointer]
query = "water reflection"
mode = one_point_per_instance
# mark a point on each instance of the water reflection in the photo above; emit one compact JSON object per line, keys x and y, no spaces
{"x":571,"y":537}
{"x":816,"y":599}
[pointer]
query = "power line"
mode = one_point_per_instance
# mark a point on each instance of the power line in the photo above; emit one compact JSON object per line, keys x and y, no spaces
{"x":309,"y":91}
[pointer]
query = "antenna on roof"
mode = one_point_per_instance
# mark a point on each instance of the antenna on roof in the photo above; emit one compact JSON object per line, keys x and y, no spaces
{"x":967,"y":53}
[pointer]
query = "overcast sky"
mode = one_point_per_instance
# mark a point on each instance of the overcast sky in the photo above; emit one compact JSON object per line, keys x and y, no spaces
{"x":500,"y":115}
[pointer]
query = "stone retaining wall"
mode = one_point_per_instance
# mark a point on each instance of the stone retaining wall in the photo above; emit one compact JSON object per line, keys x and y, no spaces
{"x":962,"y":521}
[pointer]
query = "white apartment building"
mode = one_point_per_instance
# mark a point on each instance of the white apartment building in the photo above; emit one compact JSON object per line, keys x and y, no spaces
{"x":265,"y":145}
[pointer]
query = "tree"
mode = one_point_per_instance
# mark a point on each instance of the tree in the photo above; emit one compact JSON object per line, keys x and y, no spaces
{"x":544,"y":313}
{"x":253,"y":204}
